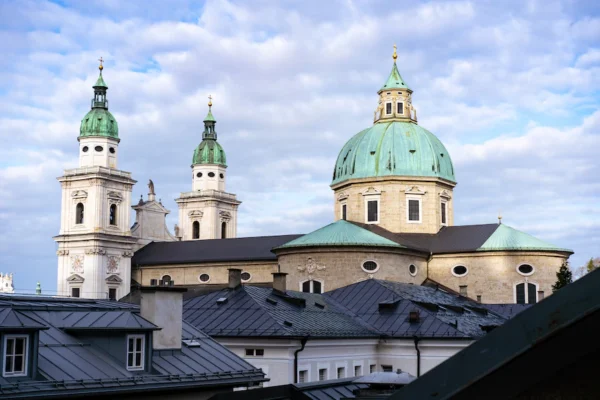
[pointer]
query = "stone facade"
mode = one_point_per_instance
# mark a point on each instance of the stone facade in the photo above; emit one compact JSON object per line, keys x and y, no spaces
{"x":494,"y":275}
{"x":189,"y":274}
{"x":338,"y":267}
{"x":150,"y":222}
{"x":393,"y":194}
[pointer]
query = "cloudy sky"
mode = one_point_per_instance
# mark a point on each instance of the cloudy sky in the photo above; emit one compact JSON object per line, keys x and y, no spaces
{"x":511,"y":88}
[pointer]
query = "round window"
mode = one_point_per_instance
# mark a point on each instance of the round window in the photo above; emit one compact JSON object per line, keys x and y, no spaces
{"x":112,"y":150}
{"x":204,"y":278}
{"x":370,"y":266}
{"x":221,"y":176}
{"x":459,"y":270}
{"x":85,"y":149}
{"x":525,"y":269}
{"x":211,"y":174}
{"x":98,"y":149}
{"x":246,"y":276}
{"x":199,"y":174}
{"x":412,"y":269}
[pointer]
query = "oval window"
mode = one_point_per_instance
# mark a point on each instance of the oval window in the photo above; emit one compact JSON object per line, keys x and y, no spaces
{"x":246,"y":276}
{"x":211,"y":174}
{"x":85,"y":149}
{"x":112,"y":150}
{"x":370,"y":266}
{"x":199,"y":174}
{"x":459,"y":270}
{"x":204,"y":278}
{"x":412,"y":269}
{"x":98,"y":149}
{"x":525,"y":269}
{"x":221,"y":176}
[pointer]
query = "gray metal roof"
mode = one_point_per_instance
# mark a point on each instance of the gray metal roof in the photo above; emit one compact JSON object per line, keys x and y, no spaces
{"x":507,"y":310}
{"x":11,"y":320}
{"x":387,"y":378}
{"x":73,"y":364}
{"x":441,"y":314}
{"x":331,"y":390}
{"x":538,"y":347}
{"x":214,"y":250}
{"x":370,"y":308}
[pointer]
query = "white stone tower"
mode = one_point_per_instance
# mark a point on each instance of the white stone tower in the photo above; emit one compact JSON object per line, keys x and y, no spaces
{"x":95,"y":245}
{"x":208,"y":212}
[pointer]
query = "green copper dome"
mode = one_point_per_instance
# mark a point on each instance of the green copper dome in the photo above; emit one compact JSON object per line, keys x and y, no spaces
{"x":391,"y":148}
{"x":99,"y":121}
{"x":209,"y":151}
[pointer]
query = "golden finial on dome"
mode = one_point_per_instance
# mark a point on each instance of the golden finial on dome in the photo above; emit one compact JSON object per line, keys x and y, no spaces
{"x":395,"y":55}
{"x":209,"y":100}
{"x":499,"y":217}
{"x":101,"y":61}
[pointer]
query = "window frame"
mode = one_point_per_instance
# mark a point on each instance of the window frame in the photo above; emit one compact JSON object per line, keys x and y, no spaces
{"x":525,"y":263}
{"x":408,"y":200}
{"x":444,"y":215}
{"x":112,"y":288}
{"x":142,"y":365}
{"x":397,"y":104}
{"x":312,"y":290}
{"x":367,"y":200}
{"x":337,"y":372}
{"x":389,"y":368}
{"x":25,"y":356}
{"x":201,"y":281}
{"x":162,"y":278}
{"x":245,"y":280}
{"x":303,"y":376}
{"x":362,"y":266}
{"x":526,"y":284}
{"x":77,"y":220}
{"x":416,"y":270}
{"x":391,"y":104}
{"x":224,"y":229}
{"x":344,"y":211}
{"x":325,"y":376}
{"x":114,"y":221}
{"x":359,"y":366}
{"x":194,"y":224}
{"x":457,"y":275}
{"x":71,"y":292}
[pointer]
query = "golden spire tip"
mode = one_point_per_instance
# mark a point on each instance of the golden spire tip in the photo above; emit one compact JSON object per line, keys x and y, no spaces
{"x":209,"y":100}
{"x":101,"y":61}
{"x":395,"y":55}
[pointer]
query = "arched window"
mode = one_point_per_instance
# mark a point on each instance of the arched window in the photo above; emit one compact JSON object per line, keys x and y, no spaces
{"x":223,"y":230}
{"x":79,"y":213}
{"x":312,"y":286}
{"x":528,"y":296}
{"x":196,"y":230}
{"x":166,"y":279}
{"x":112,"y":219}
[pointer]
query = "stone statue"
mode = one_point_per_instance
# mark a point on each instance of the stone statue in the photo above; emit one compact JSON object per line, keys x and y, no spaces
{"x":378,"y":110}
{"x":151,"y":187}
{"x":176,"y":229}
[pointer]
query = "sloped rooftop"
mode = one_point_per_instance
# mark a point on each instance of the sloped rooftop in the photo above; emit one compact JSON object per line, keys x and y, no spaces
{"x":371,"y":308}
{"x":72,"y":364}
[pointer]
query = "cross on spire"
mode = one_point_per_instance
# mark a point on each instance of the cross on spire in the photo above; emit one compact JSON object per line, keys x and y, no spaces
{"x":395,"y":55}
{"x":101,"y":67}
{"x":210,"y":100}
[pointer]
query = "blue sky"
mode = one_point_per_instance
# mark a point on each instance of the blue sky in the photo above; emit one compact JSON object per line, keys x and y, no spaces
{"x":511,"y":88}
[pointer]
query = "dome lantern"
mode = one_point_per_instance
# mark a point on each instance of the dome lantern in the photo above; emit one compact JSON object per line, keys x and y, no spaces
{"x":99,"y":121}
{"x":209,"y":151}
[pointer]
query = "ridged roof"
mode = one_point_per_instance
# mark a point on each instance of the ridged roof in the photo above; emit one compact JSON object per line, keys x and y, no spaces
{"x":99,"y":122}
{"x":507,"y":238}
{"x":393,"y":148}
{"x":209,"y":152}
{"x":340,"y":233}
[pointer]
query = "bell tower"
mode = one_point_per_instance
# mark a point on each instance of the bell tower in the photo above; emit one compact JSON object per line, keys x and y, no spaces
{"x":95,"y":245}
{"x":208,"y":211}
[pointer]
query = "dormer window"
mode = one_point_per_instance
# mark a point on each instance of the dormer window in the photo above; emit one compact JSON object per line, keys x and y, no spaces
{"x":135,"y":352}
{"x":15,"y":355}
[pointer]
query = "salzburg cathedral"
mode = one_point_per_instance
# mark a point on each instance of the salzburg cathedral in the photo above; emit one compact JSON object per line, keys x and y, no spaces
{"x":393,"y":219}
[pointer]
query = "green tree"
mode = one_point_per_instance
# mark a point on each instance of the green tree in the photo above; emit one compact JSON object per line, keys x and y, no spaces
{"x":590,"y":265}
{"x":563,"y":277}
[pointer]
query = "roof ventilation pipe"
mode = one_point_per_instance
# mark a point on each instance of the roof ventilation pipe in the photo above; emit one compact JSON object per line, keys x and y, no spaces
{"x":235,"y":278}
{"x":280,"y":281}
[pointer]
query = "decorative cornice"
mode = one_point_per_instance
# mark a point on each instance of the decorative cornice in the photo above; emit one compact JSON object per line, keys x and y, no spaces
{"x":371,"y":191}
{"x":95,"y":251}
{"x":225,"y":215}
{"x":445,"y":195}
{"x":196,"y":214}
{"x":415,"y":190}
{"x":343,"y":196}
{"x":127,"y":254}
{"x":79,"y":194}
{"x":62,"y":253}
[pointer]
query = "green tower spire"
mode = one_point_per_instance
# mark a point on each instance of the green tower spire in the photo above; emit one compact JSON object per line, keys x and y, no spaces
{"x":394,"y":81}
{"x":99,"y":121}
{"x":209,"y":151}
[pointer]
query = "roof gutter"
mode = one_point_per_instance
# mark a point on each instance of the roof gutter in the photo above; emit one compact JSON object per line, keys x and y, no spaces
{"x":302,"y":343}
{"x":416,"y":340}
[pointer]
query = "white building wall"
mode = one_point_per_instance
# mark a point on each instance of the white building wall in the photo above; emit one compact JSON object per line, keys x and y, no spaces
{"x":278,"y":359}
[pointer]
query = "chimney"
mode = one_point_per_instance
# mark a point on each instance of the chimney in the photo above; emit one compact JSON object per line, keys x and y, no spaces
{"x":163,"y":306}
{"x":279,"y":281}
{"x":235,"y":278}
